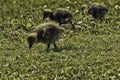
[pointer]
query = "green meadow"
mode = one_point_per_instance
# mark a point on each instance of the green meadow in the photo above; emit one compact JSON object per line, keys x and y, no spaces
{"x":90,"y":52}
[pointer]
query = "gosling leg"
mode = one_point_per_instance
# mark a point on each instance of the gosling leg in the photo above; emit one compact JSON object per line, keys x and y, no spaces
{"x":55,"y":46}
{"x":48,"y":46}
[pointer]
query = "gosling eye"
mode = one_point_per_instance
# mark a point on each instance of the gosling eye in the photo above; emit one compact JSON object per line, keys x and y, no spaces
{"x":31,"y":40}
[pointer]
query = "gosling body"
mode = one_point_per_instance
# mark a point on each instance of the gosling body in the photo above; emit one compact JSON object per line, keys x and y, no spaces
{"x":96,"y":10}
{"x":60,"y":15}
{"x":47,"y":33}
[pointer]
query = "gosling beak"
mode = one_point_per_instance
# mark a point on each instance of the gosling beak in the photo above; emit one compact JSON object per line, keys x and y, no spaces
{"x":43,"y":18}
{"x":106,"y":10}
{"x":30,"y":46}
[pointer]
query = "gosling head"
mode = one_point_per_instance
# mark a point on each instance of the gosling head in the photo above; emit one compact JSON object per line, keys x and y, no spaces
{"x":47,"y":13}
{"x":84,"y":8}
{"x":32,"y":38}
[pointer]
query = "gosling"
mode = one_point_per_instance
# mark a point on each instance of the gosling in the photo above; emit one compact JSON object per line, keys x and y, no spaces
{"x":47,"y":33}
{"x":96,"y":10}
{"x":60,"y":15}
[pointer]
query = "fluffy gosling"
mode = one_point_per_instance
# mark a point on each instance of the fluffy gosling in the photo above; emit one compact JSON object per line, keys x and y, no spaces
{"x":96,"y":10}
{"x":60,"y":15}
{"x":47,"y":33}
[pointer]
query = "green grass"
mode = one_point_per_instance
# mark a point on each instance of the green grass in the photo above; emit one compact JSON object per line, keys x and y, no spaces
{"x":91,"y":52}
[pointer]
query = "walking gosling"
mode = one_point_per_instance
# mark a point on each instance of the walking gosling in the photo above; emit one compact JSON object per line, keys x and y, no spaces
{"x":60,"y":15}
{"x":47,"y":33}
{"x":96,"y":10}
